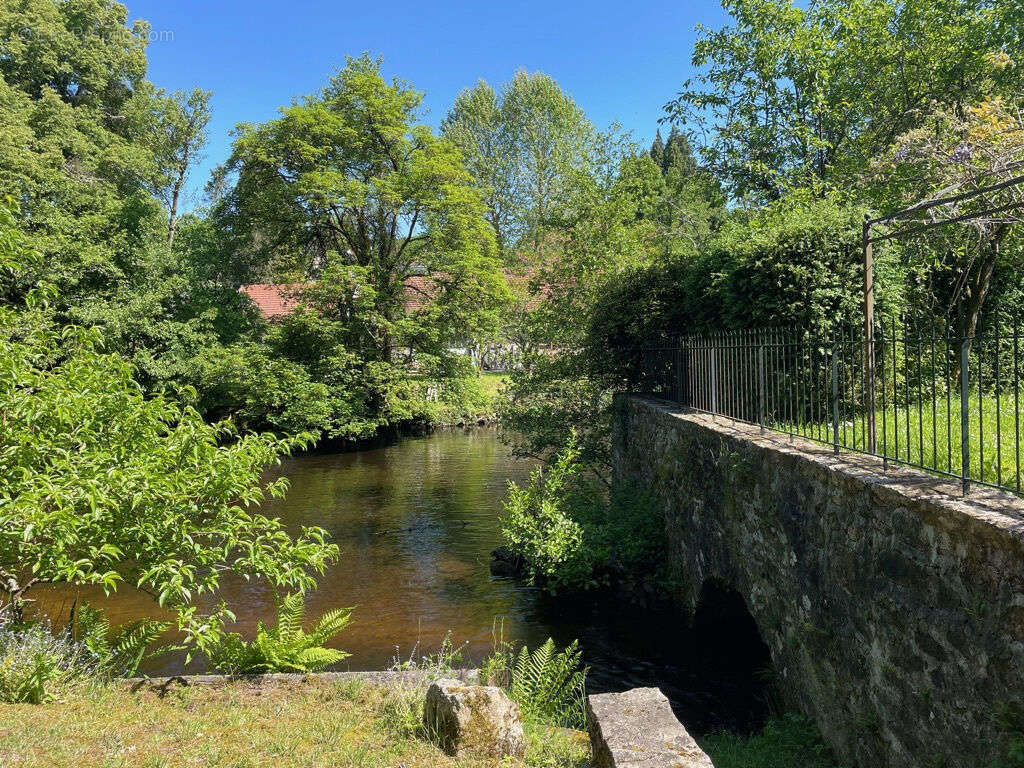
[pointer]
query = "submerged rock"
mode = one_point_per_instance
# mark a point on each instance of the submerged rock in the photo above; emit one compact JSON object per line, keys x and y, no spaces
{"x":504,"y":562}
{"x":638,"y":729}
{"x":473,"y":720}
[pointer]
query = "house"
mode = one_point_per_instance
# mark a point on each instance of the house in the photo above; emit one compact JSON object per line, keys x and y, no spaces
{"x":276,"y":301}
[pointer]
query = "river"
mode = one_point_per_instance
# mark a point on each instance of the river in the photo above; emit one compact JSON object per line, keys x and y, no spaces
{"x":416,"y":522}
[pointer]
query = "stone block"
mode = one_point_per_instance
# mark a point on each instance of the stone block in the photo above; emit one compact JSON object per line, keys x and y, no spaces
{"x":473,"y":720}
{"x":637,"y":729}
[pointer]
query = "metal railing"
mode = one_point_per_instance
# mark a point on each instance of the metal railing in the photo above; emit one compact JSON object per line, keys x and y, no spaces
{"x":935,"y":401}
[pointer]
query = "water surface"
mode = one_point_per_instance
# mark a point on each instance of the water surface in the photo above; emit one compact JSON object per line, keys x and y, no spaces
{"x":416,"y":522}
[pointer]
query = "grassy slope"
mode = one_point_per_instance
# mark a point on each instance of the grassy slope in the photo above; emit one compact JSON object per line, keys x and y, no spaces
{"x":311,"y":725}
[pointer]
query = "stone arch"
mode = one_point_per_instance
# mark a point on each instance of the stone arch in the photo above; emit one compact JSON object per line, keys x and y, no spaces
{"x":733,"y":648}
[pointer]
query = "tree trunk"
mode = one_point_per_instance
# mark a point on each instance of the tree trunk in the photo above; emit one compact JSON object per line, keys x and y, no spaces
{"x":17,"y":591}
{"x":978,"y":283}
{"x":172,"y":224}
{"x":179,"y":183}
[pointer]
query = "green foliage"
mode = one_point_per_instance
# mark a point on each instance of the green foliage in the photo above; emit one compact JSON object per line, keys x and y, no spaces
{"x":537,"y":525}
{"x":378,"y":227}
{"x":790,"y":97}
{"x":286,"y":647}
{"x":796,"y":263}
{"x":118,"y":652}
{"x":550,"y":684}
{"x":785,"y":742}
{"x":525,"y":146}
{"x":1009,"y":718}
{"x":101,"y":485}
{"x":37,"y":666}
{"x":570,"y":532}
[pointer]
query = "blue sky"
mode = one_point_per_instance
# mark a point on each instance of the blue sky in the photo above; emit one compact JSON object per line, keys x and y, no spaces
{"x":619,"y":61}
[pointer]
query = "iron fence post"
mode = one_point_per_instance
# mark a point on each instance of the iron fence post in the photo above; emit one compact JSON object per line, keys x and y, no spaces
{"x":761,"y":410}
{"x":714,"y":379}
{"x":679,"y":372}
{"x":835,"y":397}
{"x":965,"y":436}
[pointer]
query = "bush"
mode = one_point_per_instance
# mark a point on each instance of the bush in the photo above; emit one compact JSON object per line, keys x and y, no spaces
{"x":571,"y":532}
{"x":538,"y":525}
{"x":797,"y":263}
{"x":37,"y":666}
{"x":285,"y":647}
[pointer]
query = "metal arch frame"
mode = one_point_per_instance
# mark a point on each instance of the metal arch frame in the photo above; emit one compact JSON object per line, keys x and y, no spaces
{"x":868,"y":240}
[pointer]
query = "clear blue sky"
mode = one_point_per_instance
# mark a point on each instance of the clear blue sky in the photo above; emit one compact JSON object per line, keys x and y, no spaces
{"x":619,"y":61}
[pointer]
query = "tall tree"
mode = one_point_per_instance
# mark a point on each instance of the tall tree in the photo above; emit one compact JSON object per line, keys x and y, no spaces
{"x":75,"y":139}
{"x":657,"y":151}
{"x":526,"y":148}
{"x":349,"y":181}
{"x":789,"y":96}
{"x":181,"y":122}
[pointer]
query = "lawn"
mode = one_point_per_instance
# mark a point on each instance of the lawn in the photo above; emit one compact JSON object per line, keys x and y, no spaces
{"x":929,"y":434}
{"x":491,"y":384}
{"x":312,"y":724}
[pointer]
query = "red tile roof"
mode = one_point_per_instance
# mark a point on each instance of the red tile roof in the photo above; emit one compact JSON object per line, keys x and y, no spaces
{"x":277,"y":301}
{"x":273,"y":301}
{"x":419,"y":291}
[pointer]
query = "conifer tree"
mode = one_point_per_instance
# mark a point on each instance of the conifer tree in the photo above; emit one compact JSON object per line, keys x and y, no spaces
{"x":658,"y":151}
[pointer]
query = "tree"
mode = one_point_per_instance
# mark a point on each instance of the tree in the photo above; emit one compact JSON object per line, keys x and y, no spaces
{"x":658,"y":150}
{"x":102,"y":485}
{"x":790,"y":97}
{"x":952,"y":155}
{"x":476,"y":125}
{"x":615,"y":229}
{"x":526,"y":148}
{"x":377,"y":226}
{"x":348,"y":181}
{"x":182,"y":120}
{"x":75,"y":140}
{"x":677,"y":157}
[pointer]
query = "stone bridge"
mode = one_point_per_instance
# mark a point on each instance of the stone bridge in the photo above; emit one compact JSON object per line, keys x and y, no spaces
{"x":893,"y":608}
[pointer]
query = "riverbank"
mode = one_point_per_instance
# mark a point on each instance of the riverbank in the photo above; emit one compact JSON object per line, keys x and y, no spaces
{"x":288,"y":723}
{"x":480,"y":409}
{"x":285,"y":725}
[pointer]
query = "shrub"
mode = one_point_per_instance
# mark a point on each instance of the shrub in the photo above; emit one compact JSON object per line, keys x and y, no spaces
{"x":37,"y":666}
{"x":572,"y":532}
{"x":537,"y":522}
{"x":286,"y":647}
{"x":796,"y":263}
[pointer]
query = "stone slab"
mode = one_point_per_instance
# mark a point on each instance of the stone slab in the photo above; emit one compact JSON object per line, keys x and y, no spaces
{"x":387,"y":677}
{"x":637,"y":729}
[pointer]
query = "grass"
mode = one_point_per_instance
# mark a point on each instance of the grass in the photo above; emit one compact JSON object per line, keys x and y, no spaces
{"x":491,"y":384}
{"x":309,"y":724}
{"x":918,"y":434}
{"x":786,"y":742}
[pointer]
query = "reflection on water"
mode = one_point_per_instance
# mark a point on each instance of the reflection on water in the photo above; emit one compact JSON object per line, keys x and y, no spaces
{"x":416,"y":522}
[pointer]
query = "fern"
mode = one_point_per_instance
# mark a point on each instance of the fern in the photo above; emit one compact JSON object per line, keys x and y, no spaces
{"x":286,"y":647}
{"x":121,"y":652}
{"x":550,"y":684}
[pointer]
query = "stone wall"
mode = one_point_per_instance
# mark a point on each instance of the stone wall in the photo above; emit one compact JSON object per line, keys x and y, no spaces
{"x":893,"y":608}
